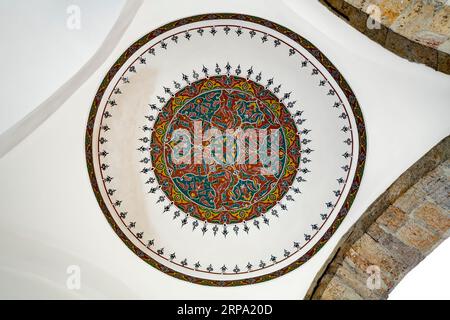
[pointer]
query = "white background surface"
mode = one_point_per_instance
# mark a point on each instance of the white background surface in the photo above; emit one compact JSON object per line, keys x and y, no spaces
{"x":50,"y":218}
{"x":41,"y":52}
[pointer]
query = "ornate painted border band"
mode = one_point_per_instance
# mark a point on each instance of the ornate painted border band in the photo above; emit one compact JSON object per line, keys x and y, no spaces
{"x":313,"y":51}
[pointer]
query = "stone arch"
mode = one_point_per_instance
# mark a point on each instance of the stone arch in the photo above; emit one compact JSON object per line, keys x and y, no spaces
{"x":417,"y":30}
{"x":408,"y":221}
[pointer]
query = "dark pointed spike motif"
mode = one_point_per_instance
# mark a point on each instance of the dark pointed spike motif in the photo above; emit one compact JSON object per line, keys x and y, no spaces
{"x":205,"y":71}
{"x":167,"y":207}
{"x":217,"y":70}
{"x":123,"y":215}
{"x":186,"y":78}
{"x":238,"y":70}
{"x":275,"y":213}
{"x":195,"y":75}
{"x":258,"y":77}
{"x":225,"y":231}
{"x":204,"y":229}
{"x":184,"y":221}
{"x":249,"y":72}
{"x":228,"y":68}
{"x":168,"y":91}
{"x":277,"y":89}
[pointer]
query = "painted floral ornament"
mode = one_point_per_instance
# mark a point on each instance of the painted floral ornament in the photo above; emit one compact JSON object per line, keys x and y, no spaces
{"x":225,"y":149}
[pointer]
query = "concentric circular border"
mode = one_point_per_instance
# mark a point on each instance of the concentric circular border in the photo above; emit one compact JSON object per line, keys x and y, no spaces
{"x":313,"y":51}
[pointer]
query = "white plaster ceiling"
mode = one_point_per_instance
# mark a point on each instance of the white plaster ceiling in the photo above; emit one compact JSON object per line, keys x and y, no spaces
{"x":50,"y":210}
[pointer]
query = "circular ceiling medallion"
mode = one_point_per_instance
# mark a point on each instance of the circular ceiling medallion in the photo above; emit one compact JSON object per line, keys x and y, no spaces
{"x":225,"y":149}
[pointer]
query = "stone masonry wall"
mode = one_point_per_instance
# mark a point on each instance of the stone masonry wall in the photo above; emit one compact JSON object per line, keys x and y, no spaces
{"x":397,"y":232}
{"x":418,"y":30}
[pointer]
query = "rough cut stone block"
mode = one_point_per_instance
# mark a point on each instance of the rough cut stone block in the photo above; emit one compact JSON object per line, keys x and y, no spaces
{"x":434,"y":216}
{"x":409,"y":256}
{"x":392,"y":219}
{"x":357,"y":280}
{"x":414,"y":19}
{"x":410,"y":200}
{"x":335,"y":4}
{"x":410,"y":50}
{"x":367,"y":252}
{"x":444,"y":62}
{"x":416,"y":30}
{"x":336,"y":290}
{"x":418,"y":237}
{"x":441,"y":22}
{"x":391,"y":10}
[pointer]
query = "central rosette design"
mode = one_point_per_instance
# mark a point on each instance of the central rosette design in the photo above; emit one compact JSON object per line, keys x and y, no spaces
{"x":225,"y":149}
